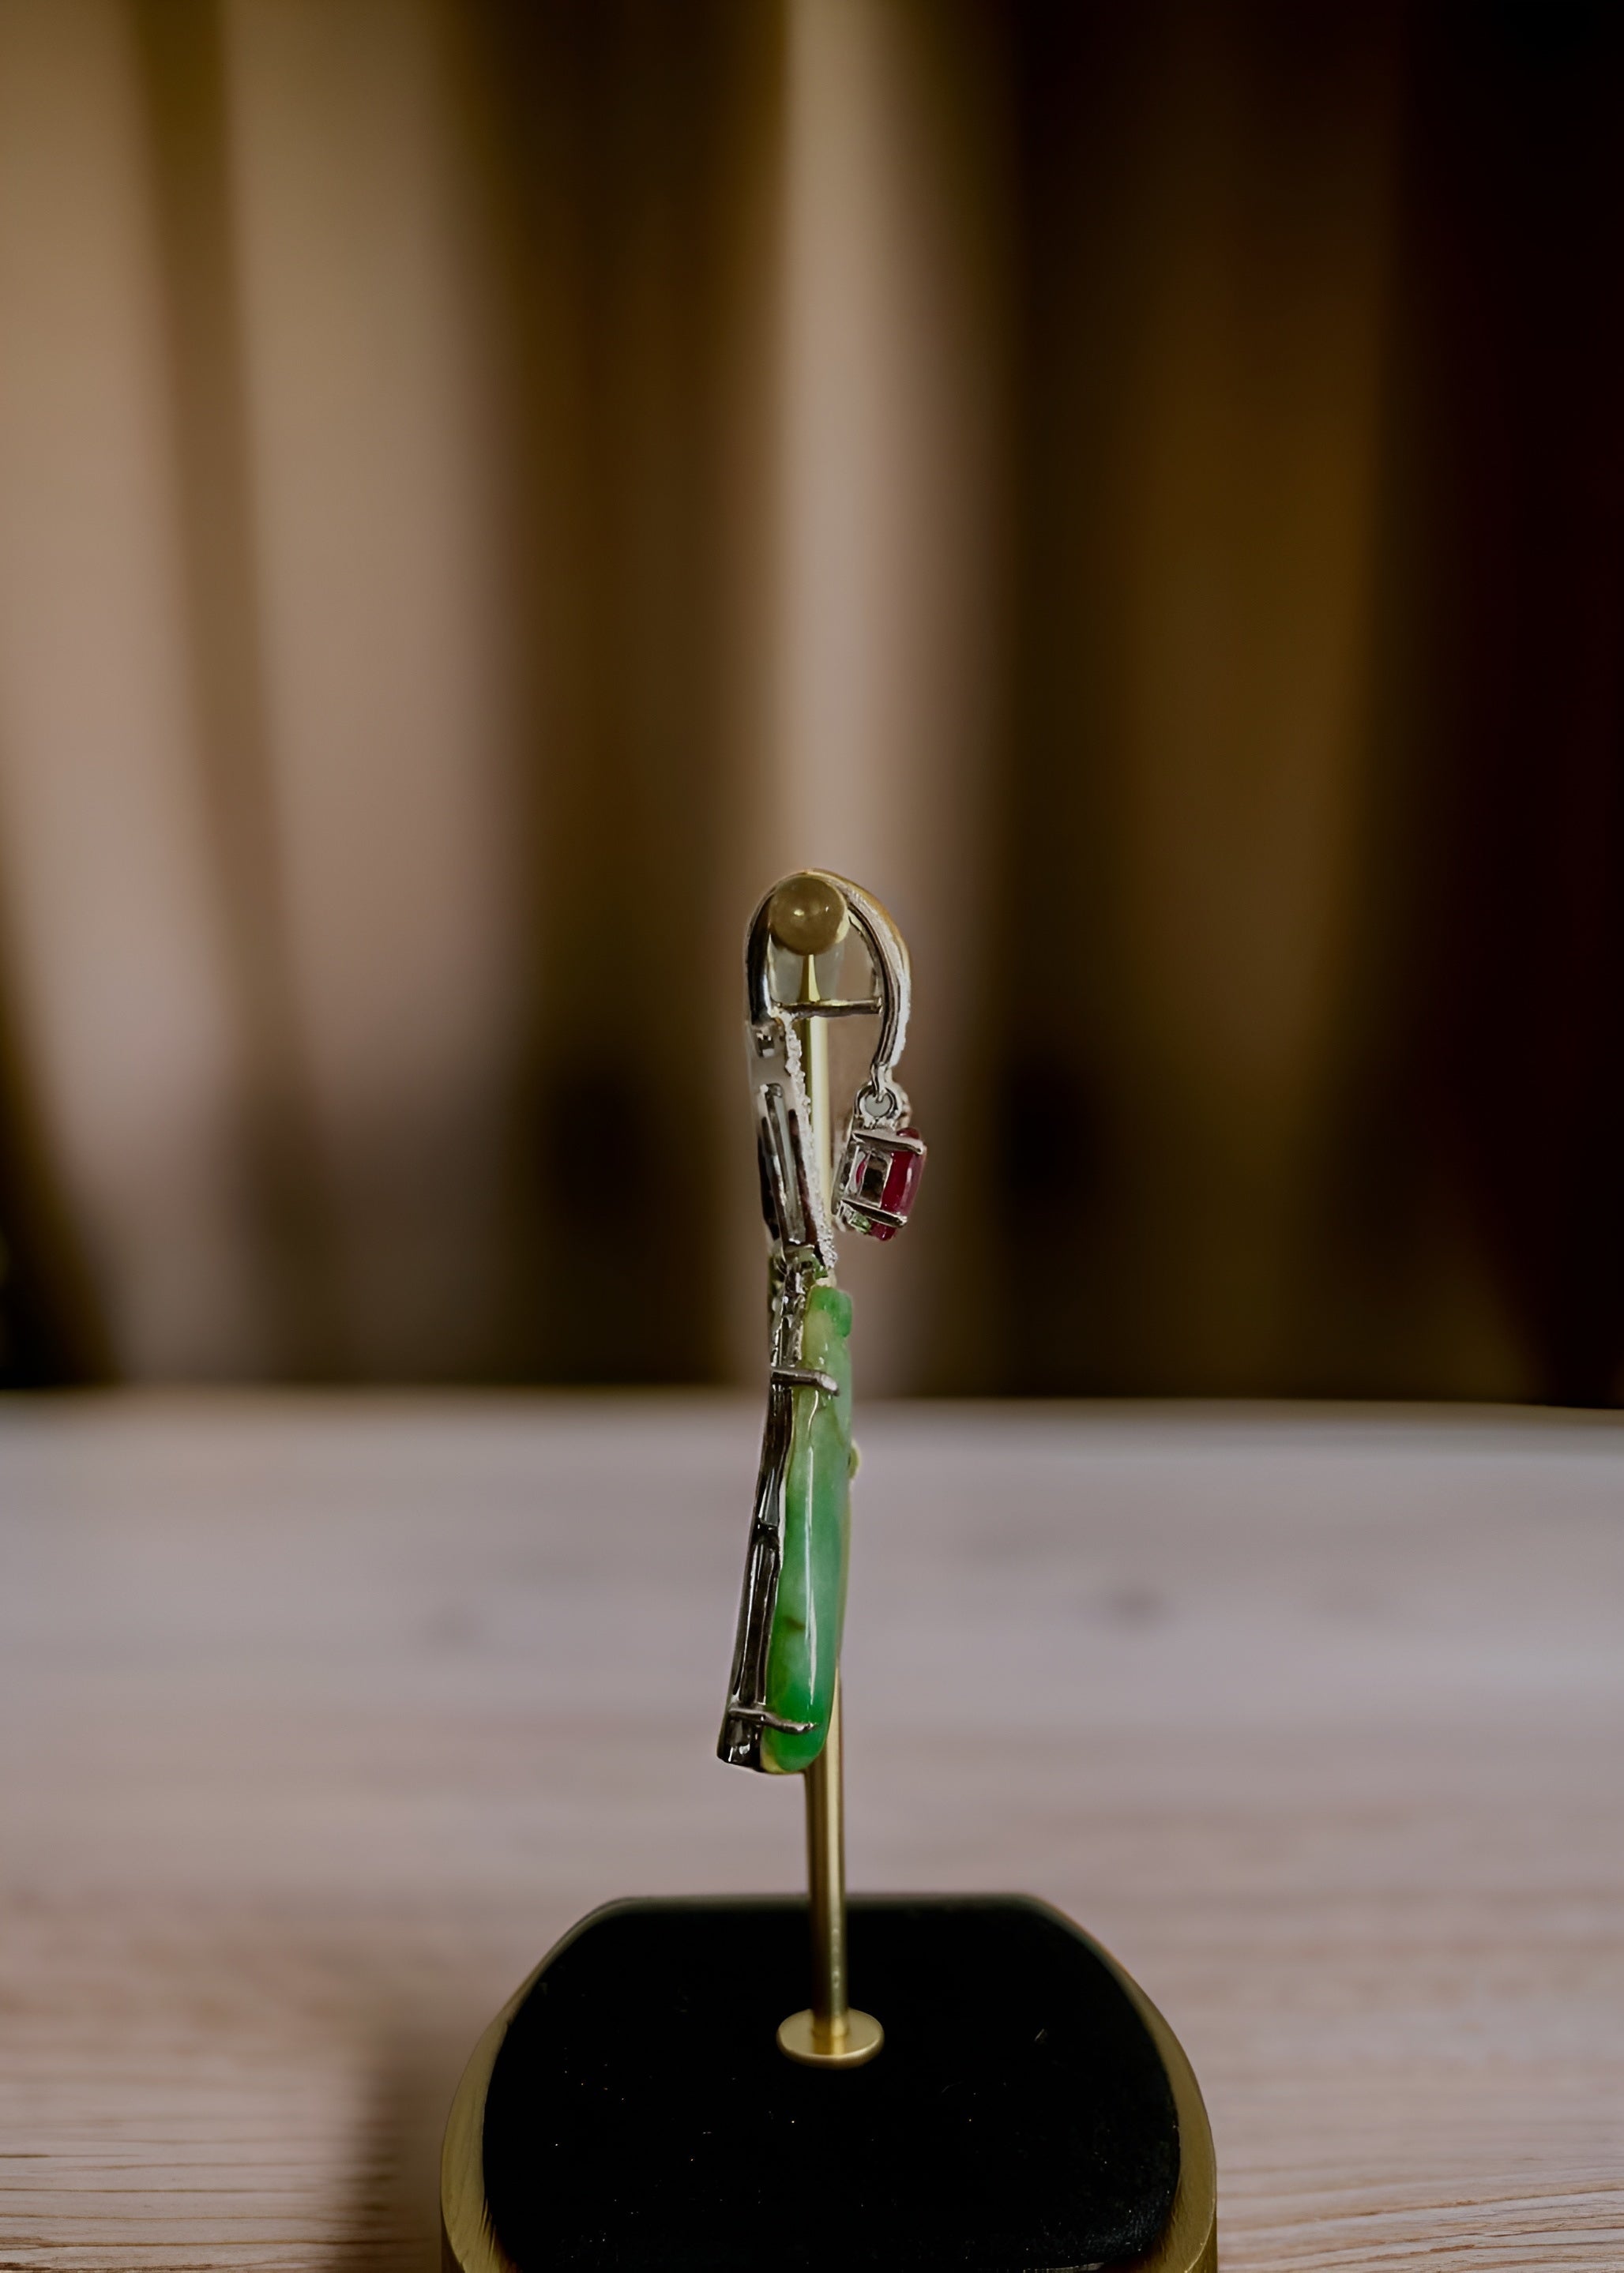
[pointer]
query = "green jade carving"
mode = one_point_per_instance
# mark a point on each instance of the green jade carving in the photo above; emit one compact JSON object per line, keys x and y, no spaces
{"x":804,"y":1651}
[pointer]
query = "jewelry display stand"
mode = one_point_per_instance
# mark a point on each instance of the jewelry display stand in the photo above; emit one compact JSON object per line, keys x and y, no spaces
{"x":658,"y":2097}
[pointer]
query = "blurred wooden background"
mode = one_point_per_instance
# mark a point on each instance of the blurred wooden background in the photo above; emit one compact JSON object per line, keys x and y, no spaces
{"x":484,"y":487}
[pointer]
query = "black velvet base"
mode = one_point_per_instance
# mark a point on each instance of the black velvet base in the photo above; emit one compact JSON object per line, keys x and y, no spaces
{"x":641,"y":2119}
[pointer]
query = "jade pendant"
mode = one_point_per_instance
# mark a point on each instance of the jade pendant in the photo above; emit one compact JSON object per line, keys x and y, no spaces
{"x":804,"y":1650}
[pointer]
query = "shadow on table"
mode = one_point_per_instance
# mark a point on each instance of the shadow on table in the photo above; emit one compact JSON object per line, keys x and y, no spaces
{"x":391,"y":2217}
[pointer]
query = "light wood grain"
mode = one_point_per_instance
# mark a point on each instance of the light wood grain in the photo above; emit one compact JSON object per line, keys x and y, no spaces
{"x":321,"y":1719}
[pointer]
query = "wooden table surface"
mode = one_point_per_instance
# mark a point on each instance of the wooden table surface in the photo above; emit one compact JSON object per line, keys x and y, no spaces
{"x":322,"y":1718}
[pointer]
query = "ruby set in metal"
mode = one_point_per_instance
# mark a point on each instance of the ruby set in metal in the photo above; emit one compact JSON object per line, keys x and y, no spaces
{"x":879,"y":1177}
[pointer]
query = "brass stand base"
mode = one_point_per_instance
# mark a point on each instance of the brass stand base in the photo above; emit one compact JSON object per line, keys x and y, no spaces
{"x":630,"y":2111}
{"x":799,"y":2038}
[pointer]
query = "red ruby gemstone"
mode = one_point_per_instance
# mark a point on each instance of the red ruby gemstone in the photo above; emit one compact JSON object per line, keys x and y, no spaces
{"x":902,"y":1176}
{"x":880,"y":1177}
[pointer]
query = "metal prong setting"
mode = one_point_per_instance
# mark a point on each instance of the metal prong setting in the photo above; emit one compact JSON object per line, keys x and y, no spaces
{"x":806,"y":1376}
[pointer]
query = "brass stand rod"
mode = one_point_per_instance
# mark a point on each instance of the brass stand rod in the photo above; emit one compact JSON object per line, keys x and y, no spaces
{"x":826,"y":1880}
{"x":826,"y":1781}
{"x":829,"y":2032}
